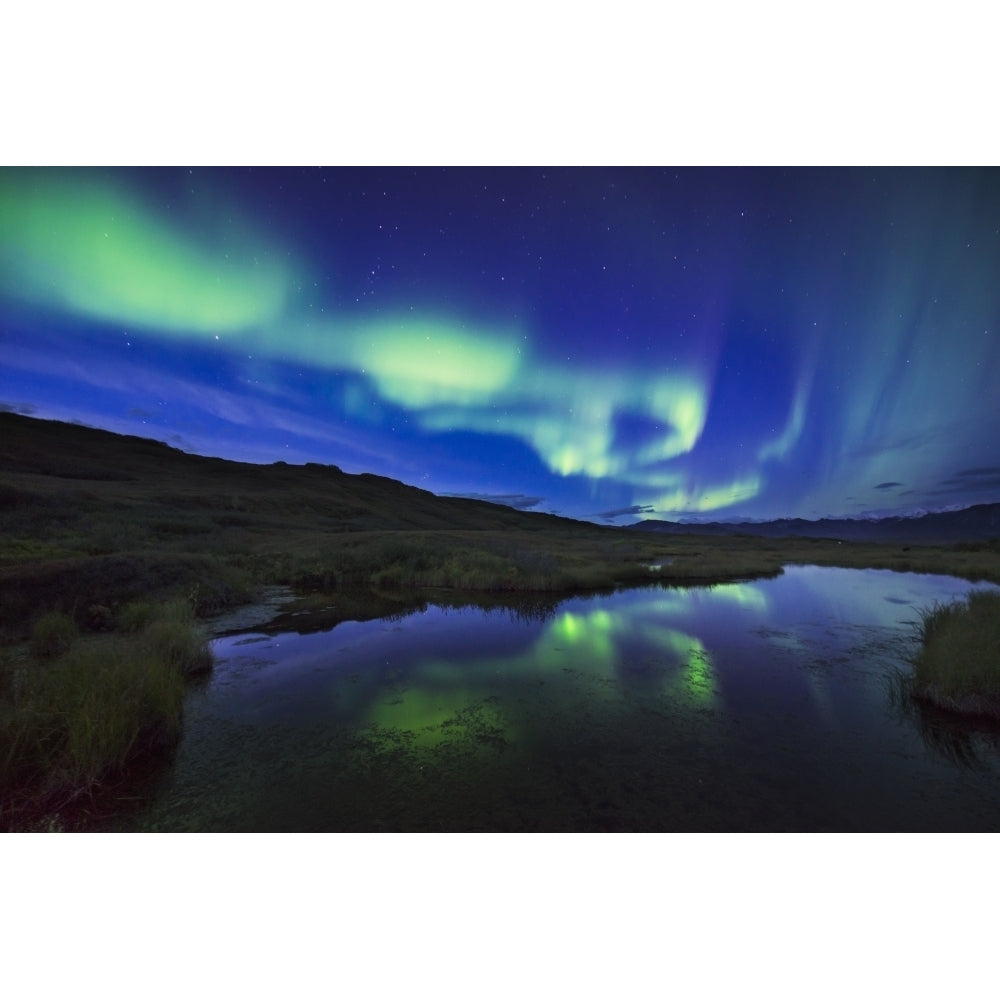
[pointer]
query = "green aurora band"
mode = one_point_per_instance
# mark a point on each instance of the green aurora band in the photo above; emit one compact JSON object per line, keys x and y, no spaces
{"x":91,"y":249}
{"x":82,"y":245}
{"x":87,"y":248}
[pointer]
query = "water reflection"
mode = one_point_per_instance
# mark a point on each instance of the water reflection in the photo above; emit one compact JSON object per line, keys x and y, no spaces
{"x":965,"y":741}
{"x":749,"y":706}
{"x":971,"y":743}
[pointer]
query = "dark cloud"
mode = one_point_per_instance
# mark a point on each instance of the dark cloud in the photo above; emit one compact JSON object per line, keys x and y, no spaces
{"x":136,"y":411}
{"x":974,"y":487}
{"x":887,"y":486}
{"x":25,"y":409}
{"x":970,"y":477}
{"x":988,"y":470}
{"x":972,"y":480}
{"x":635,"y":509}
{"x":516,"y":500}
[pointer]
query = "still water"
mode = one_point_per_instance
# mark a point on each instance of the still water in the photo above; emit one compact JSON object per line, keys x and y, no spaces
{"x":746,"y":706}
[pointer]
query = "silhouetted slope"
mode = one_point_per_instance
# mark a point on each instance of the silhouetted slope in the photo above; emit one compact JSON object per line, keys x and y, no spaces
{"x":89,"y":464}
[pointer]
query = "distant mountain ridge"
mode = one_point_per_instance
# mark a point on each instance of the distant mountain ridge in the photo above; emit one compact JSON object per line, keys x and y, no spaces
{"x":126,"y":469}
{"x":972,"y":524}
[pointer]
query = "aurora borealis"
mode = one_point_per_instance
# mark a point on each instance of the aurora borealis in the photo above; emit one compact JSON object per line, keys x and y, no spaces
{"x":603,"y":343}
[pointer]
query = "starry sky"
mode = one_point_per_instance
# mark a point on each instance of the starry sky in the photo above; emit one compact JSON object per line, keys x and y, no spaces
{"x":603,"y":343}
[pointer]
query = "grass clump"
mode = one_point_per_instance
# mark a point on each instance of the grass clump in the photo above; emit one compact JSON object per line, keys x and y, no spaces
{"x":135,"y":616}
{"x":958,"y":665}
{"x":72,"y":719}
{"x":173,"y":637}
{"x":54,"y":633}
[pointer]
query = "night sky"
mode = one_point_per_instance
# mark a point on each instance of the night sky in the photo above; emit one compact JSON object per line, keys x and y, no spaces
{"x":608,"y":344}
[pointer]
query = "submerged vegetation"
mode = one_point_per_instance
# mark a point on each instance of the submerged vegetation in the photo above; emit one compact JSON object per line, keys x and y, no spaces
{"x":958,"y":665}
{"x":111,"y":546}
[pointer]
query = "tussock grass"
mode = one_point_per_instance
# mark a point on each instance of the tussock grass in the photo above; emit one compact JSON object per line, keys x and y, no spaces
{"x":135,"y":616}
{"x":70,"y":720}
{"x":958,"y":665}
{"x":52,"y":634}
{"x":73,"y":586}
{"x":173,"y":637}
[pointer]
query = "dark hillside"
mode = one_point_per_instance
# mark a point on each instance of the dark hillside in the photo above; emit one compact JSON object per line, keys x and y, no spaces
{"x":40,"y":459}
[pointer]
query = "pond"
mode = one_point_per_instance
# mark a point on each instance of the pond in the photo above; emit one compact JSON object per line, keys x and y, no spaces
{"x":756,"y":706}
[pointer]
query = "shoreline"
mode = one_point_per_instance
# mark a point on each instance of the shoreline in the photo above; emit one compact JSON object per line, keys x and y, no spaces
{"x":970,"y":706}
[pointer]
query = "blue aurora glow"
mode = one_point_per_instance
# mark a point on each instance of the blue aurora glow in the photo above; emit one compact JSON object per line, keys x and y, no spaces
{"x":613,"y":343}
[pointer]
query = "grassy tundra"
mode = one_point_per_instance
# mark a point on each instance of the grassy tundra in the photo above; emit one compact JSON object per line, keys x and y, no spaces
{"x":111,"y":546}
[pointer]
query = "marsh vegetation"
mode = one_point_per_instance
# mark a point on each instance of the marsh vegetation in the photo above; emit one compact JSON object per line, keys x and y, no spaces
{"x":957,"y":667}
{"x":76,"y":709}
